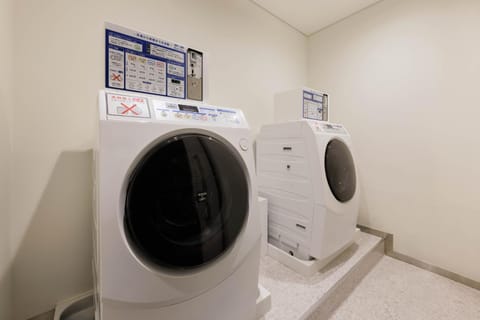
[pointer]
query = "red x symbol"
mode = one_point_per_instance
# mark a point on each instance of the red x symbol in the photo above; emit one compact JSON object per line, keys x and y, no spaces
{"x":127,"y":109}
{"x":116,"y":77}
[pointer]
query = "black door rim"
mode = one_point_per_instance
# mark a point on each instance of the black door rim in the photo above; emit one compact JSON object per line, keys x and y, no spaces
{"x":144,"y":156}
{"x":340,"y":170}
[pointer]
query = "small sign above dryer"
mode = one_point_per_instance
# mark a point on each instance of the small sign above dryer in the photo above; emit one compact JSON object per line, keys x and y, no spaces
{"x":302,"y":103}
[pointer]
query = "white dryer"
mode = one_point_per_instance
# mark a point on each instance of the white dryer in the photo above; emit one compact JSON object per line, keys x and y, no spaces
{"x":177,"y":234}
{"x":306,"y":170}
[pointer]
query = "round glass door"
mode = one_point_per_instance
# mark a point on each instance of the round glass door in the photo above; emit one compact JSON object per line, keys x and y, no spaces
{"x":186,"y":202}
{"x":340,"y":170}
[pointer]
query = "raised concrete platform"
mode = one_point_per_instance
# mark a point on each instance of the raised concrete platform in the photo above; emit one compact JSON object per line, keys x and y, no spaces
{"x":316,"y":297}
{"x":293,"y":296}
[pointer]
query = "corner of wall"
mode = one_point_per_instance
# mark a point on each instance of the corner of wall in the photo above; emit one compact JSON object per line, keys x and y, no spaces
{"x":6,"y":109}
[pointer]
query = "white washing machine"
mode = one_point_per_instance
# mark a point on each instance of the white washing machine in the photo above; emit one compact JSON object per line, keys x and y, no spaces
{"x":177,"y":234}
{"x":306,"y":170}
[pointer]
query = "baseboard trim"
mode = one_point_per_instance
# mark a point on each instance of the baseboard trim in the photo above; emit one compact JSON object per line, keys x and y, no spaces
{"x":388,"y":238}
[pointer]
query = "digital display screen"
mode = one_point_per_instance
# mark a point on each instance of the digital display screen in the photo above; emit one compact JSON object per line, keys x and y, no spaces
{"x":184,"y":107}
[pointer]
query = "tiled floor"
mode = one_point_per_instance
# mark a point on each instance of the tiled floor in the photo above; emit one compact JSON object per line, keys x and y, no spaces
{"x":394,"y":290}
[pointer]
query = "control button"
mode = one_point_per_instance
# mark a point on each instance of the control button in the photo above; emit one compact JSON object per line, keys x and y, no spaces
{"x":244,"y":144}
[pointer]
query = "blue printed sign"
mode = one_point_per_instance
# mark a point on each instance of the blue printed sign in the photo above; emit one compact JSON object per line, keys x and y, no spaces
{"x":142,"y":63}
{"x":315,"y":105}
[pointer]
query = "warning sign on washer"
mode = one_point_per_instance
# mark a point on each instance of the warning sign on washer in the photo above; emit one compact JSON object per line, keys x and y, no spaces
{"x":126,"y":106}
{"x":143,"y":63}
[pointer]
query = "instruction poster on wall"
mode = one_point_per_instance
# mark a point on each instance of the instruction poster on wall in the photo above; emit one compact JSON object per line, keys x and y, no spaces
{"x":315,"y":105}
{"x":142,"y":63}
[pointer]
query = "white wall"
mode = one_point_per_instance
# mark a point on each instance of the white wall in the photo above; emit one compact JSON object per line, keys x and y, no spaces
{"x":404,"y":78}
{"x":6,"y":58}
{"x":60,"y":67}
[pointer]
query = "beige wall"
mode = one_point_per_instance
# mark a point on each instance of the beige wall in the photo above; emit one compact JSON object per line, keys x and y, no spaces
{"x":404,"y":78}
{"x":6,"y":58}
{"x":59,"y":70}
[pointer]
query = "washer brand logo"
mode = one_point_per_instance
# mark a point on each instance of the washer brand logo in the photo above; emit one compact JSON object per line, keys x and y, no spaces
{"x":201,"y":196}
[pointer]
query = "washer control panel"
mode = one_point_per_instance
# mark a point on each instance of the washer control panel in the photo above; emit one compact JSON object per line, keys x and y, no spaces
{"x":173,"y":111}
{"x":146,"y":108}
{"x":327,"y":127}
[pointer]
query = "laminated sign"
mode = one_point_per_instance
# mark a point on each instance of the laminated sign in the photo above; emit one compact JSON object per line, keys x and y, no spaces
{"x":142,"y":63}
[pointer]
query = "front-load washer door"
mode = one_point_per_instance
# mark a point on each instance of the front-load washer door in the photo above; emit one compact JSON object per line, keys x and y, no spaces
{"x":340,"y":170}
{"x":186,"y":202}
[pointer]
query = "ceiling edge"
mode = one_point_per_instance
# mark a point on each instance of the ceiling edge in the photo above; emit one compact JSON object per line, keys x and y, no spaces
{"x":280,"y":19}
{"x":343,"y":19}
